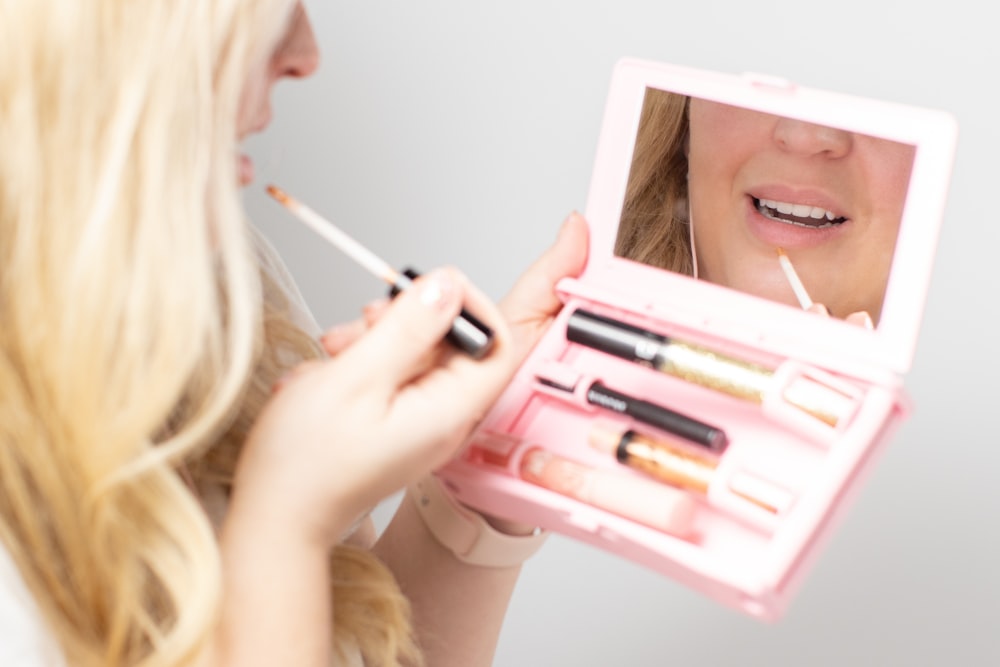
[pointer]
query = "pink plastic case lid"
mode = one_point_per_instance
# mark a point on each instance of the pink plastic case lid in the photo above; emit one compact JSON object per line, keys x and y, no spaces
{"x":738,"y":316}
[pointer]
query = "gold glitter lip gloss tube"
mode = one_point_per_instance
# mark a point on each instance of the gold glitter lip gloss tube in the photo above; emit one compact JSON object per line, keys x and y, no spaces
{"x":693,"y":363}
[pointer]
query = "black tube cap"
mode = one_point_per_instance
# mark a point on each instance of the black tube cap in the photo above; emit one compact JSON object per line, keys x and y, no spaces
{"x":468,"y":333}
{"x":613,"y":337}
{"x":663,"y":418}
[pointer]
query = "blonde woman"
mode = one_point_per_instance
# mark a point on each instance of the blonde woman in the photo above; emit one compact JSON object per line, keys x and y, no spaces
{"x":184,"y":470}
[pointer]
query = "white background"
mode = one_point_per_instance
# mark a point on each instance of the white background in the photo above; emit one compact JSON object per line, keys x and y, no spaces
{"x":463,"y":133}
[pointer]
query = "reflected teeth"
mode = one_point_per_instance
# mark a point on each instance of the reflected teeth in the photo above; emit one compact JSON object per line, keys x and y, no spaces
{"x":798,"y":210}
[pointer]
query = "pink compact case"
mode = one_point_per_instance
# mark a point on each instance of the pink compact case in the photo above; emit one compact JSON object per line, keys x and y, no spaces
{"x":714,"y":426}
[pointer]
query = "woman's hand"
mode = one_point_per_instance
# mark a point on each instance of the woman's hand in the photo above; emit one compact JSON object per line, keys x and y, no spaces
{"x":342,"y":434}
{"x":393,"y":403}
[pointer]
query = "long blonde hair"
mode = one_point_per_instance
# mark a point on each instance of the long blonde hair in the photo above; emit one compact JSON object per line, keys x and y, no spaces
{"x":132,"y":335}
{"x":654,"y":228}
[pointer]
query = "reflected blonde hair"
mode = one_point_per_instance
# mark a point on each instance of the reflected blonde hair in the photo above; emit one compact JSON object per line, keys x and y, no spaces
{"x":133,"y":338}
{"x":654,"y":227}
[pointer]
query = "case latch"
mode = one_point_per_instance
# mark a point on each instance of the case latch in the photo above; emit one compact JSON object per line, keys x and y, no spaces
{"x":769,"y":82}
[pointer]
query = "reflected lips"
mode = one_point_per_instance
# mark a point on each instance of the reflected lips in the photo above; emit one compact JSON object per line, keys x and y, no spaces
{"x":797,"y":214}
{"x":798,"y":231}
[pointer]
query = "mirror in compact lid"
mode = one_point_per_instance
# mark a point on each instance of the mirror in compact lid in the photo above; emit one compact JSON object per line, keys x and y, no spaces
{"x":779,"y":207}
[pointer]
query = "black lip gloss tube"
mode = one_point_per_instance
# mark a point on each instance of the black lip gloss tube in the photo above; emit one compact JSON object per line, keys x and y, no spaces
{"x":468,"y":333}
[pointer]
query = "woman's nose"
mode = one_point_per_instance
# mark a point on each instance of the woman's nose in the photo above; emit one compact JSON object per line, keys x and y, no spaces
{"x":298,"y":54}
{"x":796,"y":136}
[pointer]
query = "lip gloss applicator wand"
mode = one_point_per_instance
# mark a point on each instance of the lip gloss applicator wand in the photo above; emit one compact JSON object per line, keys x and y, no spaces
{"x":793,"y":279}
{"x":467,"y":333}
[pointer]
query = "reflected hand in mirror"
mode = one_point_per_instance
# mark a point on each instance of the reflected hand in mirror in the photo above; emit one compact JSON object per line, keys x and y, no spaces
{"x":738,"y":184}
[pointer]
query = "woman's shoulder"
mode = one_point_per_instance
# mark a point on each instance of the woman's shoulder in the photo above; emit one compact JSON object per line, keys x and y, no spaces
{"x":25,"y":641}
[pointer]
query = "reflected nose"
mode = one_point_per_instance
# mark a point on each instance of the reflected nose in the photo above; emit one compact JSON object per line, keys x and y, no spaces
{"x":796,"y":136}
{"x":298,"y":54}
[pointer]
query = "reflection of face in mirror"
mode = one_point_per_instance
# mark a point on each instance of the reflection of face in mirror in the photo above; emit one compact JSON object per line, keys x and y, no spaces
{"x":753,"y":182}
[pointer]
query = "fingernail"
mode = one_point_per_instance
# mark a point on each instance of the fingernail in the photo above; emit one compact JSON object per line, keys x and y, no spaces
{"x":570,"y":219}
{"x":867,"y":322}
{"x":819,"y":309}
{"x":435,"y":290}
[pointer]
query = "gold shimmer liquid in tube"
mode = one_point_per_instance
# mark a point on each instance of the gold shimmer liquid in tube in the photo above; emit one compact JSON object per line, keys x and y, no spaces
{"x":678,"y":466}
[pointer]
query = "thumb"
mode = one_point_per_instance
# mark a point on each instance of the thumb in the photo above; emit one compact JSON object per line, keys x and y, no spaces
{"x":533,"y":301}
{"x":412,"y":326}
